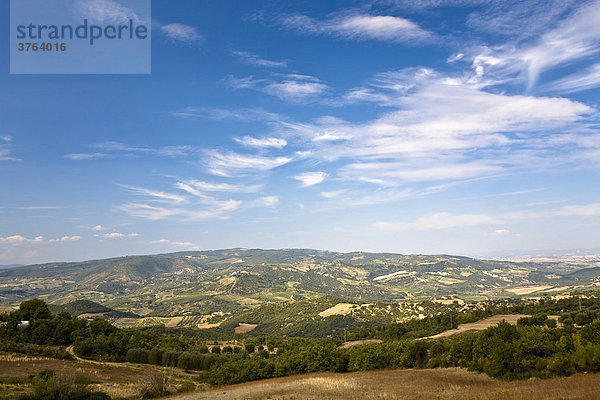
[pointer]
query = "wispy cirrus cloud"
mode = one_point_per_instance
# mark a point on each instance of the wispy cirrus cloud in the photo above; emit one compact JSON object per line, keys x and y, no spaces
{"x":5,"y":150}
{"x":442,"y":129}
{"x":354,"y":26}
{"x":574,"y":38}
{"x":155,"y":195}
{"x":221,"y":114}
{"x":105,"y":11}
{"x":121,"y":150}
{"x":233,"y":164}
{"x":196,"y":200}
{"x":268,"y":142}
{"x":257,"y":61}
{"x":518,"y":19}
{"x":293,"y":88}
{"x":589,"y":78}
{"x":86,"y":156}
{"x":267,"y":201}
{"x":181,"y":33}
{"x":217,"y":209}
{"x":307,"y":179}
{"x":442,"y":220}
{"x":445,"y":220}
{"x":200,"y":188}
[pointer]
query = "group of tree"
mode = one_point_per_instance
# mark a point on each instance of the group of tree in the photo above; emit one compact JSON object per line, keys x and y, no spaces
{"x":536,"y":347}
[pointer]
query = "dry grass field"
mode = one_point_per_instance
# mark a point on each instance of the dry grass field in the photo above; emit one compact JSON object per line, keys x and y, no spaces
{"x":443,"y":384}
{"x":244,"y":328}
{"x":117,"y":380}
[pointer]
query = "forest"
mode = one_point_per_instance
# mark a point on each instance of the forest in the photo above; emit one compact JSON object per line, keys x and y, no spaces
{"x":535,"y":347}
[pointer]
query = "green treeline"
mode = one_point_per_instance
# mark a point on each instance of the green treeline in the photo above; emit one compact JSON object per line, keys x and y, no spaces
{"x":504,"y":351}
{"x":536,"y":347}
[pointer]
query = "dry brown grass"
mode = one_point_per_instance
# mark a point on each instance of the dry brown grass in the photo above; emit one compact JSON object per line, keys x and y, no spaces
{"x":338,"y":309}
{"x":118,"y":380}
{"x":353,"y":343}
{"x":244,"y":328}
{"x":443,"y":384}
{"x":479,"y":325}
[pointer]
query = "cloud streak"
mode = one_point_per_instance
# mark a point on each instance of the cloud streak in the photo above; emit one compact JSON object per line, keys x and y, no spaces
{"x":181,"y":33}
{"x":360,"y":27}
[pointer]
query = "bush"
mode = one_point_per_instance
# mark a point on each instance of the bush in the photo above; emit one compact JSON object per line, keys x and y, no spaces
{"x":153,"y":384}
{"x":48,"y":386}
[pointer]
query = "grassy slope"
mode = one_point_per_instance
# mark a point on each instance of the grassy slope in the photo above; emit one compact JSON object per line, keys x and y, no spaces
{"x":450,"y":384}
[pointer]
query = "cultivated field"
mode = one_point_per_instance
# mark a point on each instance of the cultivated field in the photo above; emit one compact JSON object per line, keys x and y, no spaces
{"x":450,"y":384}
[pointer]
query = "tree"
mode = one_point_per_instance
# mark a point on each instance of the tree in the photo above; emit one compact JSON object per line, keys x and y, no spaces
{"x":34,"y":310}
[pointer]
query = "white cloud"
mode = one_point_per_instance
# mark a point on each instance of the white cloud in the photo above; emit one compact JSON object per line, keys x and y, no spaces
{"x":310,"y":178}
{"x":576,"y":37}
{"x":18,"y":239}
{"x":229,"y":164}
{"x":293,"y":88}
{"x":181,"y":33}
{"x":118,"y":235}
{"x":268,"y":142}
{"x":120,"y":150}
{"x":5,"y":151}
{"x":242,"y":83}
{"x":579,"y":81}
{"x":37,"y":208}
{"x":521,"y":19}
{"x":220,"y":114}
{"x":443,"y":129}
{"x":85,"y":156}
{"x":501,"y":231}
{"x":442,"y":220}
{"x":165,"y":151}
{"x":256,"y":60}
{"x":98,"y":228}
{"x":198,"y":188}
{"x":332,"y":194}
{"x":155,"y":195}
{"x":173,"y":243}
{"x":218,"y":209}
{"x":66,"y":239}
{"x":105,"y":11}
{"x":360,"y":27}
{"x":267,"y":201}
{"x":582,"y":210}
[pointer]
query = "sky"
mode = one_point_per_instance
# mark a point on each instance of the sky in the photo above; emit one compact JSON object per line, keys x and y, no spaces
{"x":467,"y":127}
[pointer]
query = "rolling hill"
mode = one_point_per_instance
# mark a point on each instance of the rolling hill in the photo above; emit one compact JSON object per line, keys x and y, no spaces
{"x":217,"y":284}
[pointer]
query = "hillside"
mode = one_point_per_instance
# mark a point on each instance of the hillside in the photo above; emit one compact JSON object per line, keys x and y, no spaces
{"x":447,"y":383}
{"x":212,"y":285}
{"x":89,"y":308}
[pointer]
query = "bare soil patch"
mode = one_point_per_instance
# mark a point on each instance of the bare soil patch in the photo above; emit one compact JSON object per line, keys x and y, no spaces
{"x":338,"y":309}
{"x":173,"y":322}
{"x":353,"y":343}
{"x":244,"y":328}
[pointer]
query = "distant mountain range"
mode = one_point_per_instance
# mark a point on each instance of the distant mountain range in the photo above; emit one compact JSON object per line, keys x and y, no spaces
{"x":10,"y":266}
{"x":223,"y":282}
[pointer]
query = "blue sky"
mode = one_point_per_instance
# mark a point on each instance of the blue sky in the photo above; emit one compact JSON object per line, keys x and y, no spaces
{"x":466,"y":127}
